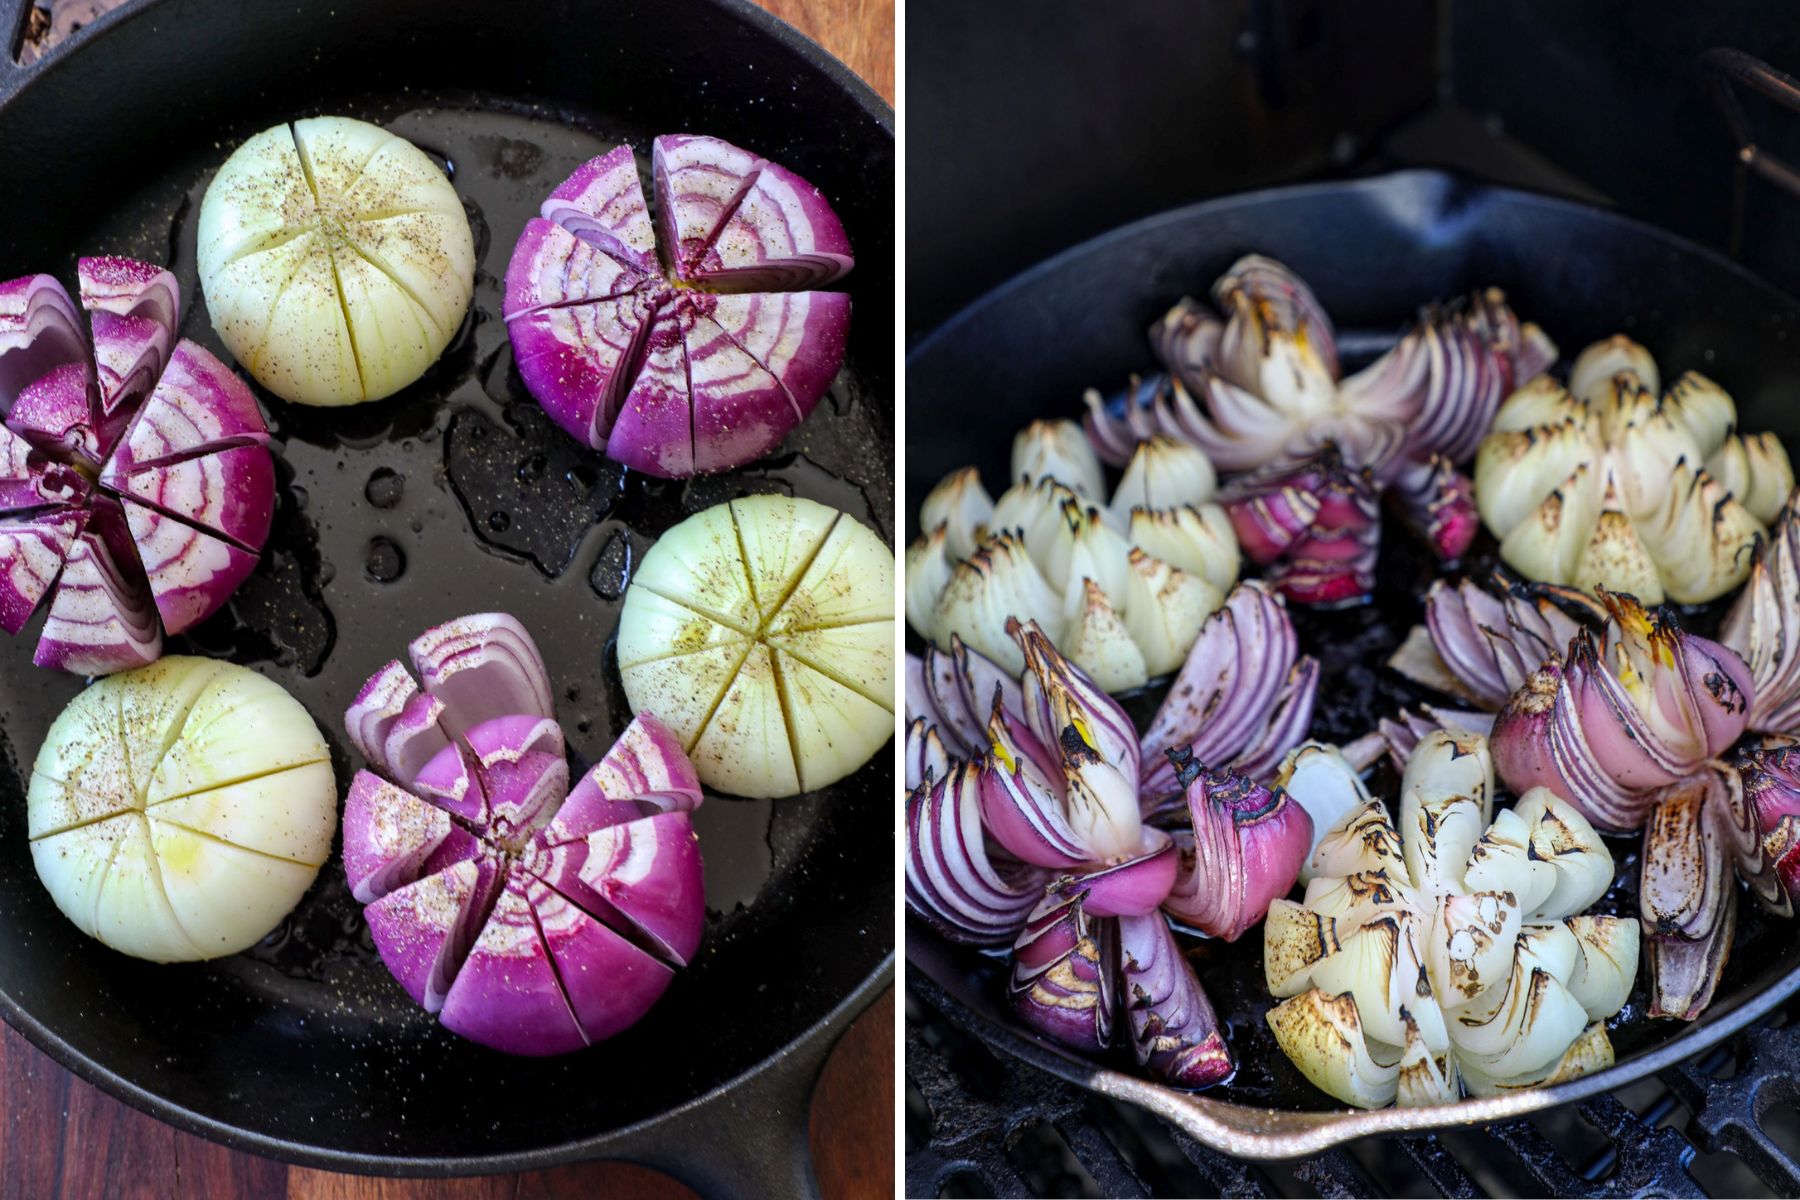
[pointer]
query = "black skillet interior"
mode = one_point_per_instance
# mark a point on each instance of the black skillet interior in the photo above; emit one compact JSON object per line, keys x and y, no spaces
{"x":456,"y":496}
{"x":1374,"y":250}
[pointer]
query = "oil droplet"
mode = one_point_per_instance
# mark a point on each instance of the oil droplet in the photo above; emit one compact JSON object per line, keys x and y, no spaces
{"x":499,"y":522}
{"x":532,"y":469}
{"x":301,"y":497}
{"x":385,"y":561}
{"x":385,"y":487}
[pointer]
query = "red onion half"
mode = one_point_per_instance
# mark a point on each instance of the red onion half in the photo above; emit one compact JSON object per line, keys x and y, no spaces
{"x":136,"y":484}
{"x":532,"y":917}
{"x":701,"y":359}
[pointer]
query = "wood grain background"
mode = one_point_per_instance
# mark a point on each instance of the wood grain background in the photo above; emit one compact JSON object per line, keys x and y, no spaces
{"x":66,"y":1140}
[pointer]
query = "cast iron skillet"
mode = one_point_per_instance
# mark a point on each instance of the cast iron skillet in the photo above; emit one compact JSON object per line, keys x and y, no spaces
{"x":1373,"y":249}
{"x":457,"y":496}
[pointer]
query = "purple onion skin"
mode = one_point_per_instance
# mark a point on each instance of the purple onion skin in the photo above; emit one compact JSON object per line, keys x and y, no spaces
{"x":1174,"y":1031}
{"x":388,"y":836}
{"x":551,"y":266}
{"x":603,"y":202}
{"x":506,"y":995}
{"x":610,"y":983}
{"x":603,"y":887}
{"x":956,"y":881}
{"x":645,"y":876}
{"x":1249,"y":843}
{"x":670,"y":379}
{"x":131,"y":397}
{"x":422,"y":930}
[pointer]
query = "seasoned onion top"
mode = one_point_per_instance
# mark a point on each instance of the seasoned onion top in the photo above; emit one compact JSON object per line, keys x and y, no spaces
{"x":336,"y":259}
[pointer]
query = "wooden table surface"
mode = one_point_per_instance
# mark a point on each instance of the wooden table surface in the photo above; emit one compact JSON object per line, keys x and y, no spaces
{"x":66,"y":1140}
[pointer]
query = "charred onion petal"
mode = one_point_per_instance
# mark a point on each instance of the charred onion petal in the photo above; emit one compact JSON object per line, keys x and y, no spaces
{"x":1244,"y":848}
{"x":1697,"y":832}
{"x":1604,"y":485}
{"x":1458,"y":953}
{"x":1763,"y":626}
{"x":1058,"y":450}
{"x":1174,"y":1031}
{"x":1065,"y":966}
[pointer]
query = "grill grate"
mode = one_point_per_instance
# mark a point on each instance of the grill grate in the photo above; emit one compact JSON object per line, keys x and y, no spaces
{"x":1726,"y":1123}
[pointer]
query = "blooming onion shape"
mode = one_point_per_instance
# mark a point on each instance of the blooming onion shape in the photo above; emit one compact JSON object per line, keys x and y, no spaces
{"x":1453,"y":953}
{"x":1262,"y":393}
{"x":689,"y":345}
{"x":532,"y":917}
{"x":1037,"y":817}
{"x":136,"y":484}
{"x":1604,"y":484}
{"x":1122,"y":587}
{"x":1630,"y":722}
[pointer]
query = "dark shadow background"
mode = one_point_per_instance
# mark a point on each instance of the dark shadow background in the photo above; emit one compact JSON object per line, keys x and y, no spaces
{"x":1033,"y":126}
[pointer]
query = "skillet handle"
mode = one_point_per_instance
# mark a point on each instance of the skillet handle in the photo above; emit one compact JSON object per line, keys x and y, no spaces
{"x":747,"y":1141}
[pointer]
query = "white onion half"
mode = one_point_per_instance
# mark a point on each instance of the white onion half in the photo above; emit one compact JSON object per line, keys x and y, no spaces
{"x":179,"y":811}
{"x":336,"y":259}
{"x":762,"y":633}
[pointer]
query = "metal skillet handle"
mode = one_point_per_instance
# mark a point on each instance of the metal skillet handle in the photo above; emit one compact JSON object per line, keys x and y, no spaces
{"x":748,"y":1140}
{"x":1722,"y":68}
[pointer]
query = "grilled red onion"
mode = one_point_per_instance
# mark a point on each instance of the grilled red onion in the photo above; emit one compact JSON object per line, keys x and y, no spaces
{"x":1763,"y":625}
{"x":1064,"y":971}
{"x":1243,"y":848}
{"x":1174,"y":1031}
{"x":186,"y":486}
{"x":1240,"y":702}
{"x":956,"y":879}
{"x":1316,"y":526}
{"x":1771,"y":788}
{"x":1261,"y":392}
{"x":535,"y":919}
{"x":710,"y":365}
{"x":1642,"y":705}
{"x":1698,"y":831}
